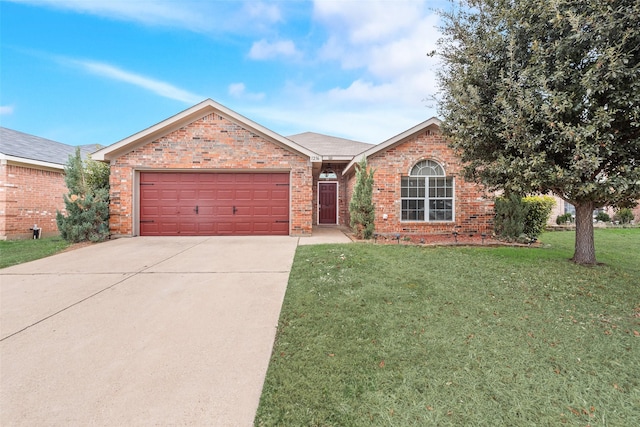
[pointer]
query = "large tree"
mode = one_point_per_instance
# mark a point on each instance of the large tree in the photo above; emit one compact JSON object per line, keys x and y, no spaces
{"x":544,"y":96}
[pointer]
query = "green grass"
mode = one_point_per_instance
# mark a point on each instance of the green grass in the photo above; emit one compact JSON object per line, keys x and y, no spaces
{"x":373,"y":335}
{"x":14,"y":252}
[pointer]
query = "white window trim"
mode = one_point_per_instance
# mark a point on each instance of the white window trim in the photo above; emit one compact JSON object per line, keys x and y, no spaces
{"x":426,"y":198}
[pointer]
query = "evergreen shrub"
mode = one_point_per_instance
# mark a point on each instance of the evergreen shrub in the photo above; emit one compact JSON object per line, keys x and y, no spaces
{"x":87,"y":204}
{"x":521,"y":219}
{"x":361,"y":206}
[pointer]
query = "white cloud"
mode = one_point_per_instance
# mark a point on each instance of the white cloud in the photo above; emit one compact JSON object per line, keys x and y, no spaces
{"x":369,"y":22}
{"x":373,"y":125}
{"x":265,"y":50}
{"x":382,"y":43}
{"x":157,"y":12}
{"x":269,"y":12}
{"x":6,"y":110}
{"x":385,"y":45}
{"x":239,"y":90}
{"x":158,"y":87}
{"x":193,"y":15}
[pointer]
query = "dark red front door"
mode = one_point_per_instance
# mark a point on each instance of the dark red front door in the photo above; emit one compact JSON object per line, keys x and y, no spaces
{"x":210,"y":204}
{"x":327,"y":198}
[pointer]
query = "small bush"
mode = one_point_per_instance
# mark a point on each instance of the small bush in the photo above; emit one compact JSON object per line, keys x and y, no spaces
{"x":538,"y":209}
{"x":522,"y":219}
{"x":564,"y":218}
{"x":603,"y":217}
{"x":87,"y":218}
{"x":624,"y":215}
{"x":510,"y":215}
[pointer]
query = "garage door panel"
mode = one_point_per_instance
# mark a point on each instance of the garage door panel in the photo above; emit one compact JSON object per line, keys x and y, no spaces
{"x":261,"y":194}
{"x":206,"y":194}
{"x":206,"y":211}
{"x":243,"y":195}
{"x":188,"y":194}
{"x":224,"y":194}
{"x":168,"y":195}
{"x":224,"y":228}
{"x":227,"y":203}
{"x":150,"y":210}
{"x":280,"y":212}
{"x":244,"y":177}
{"x":279,"y":194}
{"x":281,"y":228}
{"x":152,"y":194}
{"x":166,"y":178}
{"x":261,"y":227}
{"x":243,"y":228}
{"x":165,"y":228}
{"x":261,"y":211}
{"x":188,"y":228}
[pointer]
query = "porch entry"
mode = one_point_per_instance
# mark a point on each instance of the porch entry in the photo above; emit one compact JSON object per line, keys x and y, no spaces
{"x":328,"y":203}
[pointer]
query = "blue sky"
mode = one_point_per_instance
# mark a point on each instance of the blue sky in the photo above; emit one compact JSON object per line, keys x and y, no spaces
{"x":98,"y":71}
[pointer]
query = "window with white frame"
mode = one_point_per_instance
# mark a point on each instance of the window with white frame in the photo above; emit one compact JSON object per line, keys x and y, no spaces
{"x":427,"y":193}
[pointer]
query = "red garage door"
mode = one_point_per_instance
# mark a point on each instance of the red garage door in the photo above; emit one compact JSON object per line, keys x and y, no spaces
{"x":210,"y":204}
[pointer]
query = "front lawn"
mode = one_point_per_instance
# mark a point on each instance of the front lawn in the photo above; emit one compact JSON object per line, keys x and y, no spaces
{"x":14,"y":252}
{"x":393,"y":335}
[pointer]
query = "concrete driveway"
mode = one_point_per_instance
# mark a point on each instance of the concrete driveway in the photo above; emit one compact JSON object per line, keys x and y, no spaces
{"x":142,"y":331}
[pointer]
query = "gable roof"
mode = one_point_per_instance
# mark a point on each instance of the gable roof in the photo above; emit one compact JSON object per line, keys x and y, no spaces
{"x":392,"y":142}
{"x":330,"y":147}
{"x":190,"y":115}
{"x":22,"y":147}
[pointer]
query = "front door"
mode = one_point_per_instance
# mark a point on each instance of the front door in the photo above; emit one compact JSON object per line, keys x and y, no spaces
{"x":327,"y":199}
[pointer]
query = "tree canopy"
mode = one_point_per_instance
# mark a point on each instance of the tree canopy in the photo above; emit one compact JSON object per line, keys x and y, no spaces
{"x":543,"y":96}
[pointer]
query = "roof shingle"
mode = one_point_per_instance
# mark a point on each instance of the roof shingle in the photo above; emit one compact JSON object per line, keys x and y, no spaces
{"x":30,"y":147}
{"x":326,"y":145}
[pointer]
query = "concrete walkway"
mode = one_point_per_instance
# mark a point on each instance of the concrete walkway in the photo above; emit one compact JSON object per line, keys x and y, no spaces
{"x":326,"y":234}
{"x":144,"y":331}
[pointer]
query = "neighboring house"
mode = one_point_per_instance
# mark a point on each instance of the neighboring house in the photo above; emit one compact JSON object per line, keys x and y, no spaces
{"x":31,"y":183}
{"x":561,"y":207}
{"x":210,"y":171}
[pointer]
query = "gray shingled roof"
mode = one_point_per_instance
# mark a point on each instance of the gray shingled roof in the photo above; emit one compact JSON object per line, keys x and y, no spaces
{"x":31,"y":147}
{"x":326,"y":145}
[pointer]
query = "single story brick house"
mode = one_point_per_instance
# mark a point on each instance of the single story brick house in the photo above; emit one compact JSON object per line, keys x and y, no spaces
{"x":211,"y":171}
{"x":31,"y":183}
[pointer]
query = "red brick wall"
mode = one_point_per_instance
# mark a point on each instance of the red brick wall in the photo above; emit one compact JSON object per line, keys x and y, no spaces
{"x":211,"y":143}
{"x":473,"y":212}
{"x":29,"y":196}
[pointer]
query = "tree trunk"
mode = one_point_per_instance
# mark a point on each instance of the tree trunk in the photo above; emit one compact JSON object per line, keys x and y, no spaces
{"x":585,"y":250}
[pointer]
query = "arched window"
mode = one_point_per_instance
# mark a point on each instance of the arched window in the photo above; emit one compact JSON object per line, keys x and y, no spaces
{"x":328,"y":174}
{"x":427,"y":168}
{"x":427,"y":193}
